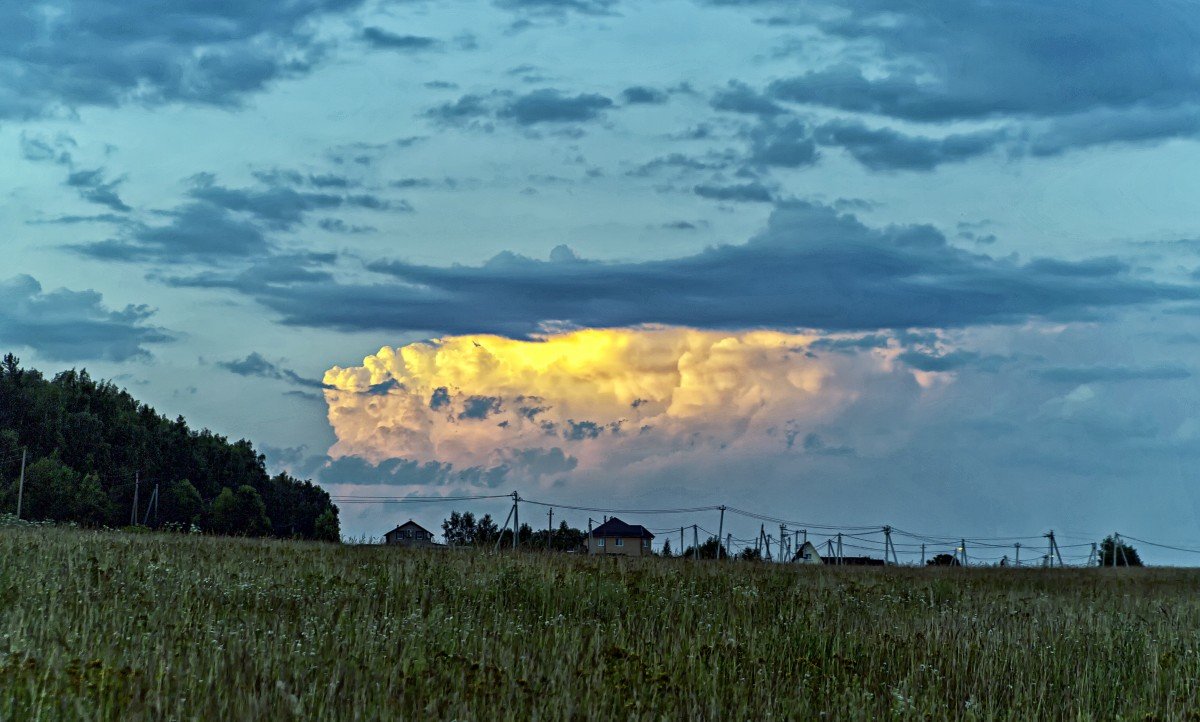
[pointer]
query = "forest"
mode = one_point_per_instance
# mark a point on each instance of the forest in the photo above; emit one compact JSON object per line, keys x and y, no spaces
{"x":90,"y":446}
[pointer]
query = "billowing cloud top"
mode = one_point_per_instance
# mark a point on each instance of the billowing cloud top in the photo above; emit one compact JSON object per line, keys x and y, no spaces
{"x":577,"y":398}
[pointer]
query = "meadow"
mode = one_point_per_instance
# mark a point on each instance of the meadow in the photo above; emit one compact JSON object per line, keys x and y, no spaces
{"x":111,"y":625}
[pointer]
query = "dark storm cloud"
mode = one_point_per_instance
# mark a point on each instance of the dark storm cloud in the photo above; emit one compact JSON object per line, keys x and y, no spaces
{"x":111,"y":52}
{"x":265,"y":272}
{"x":886,"y":149}
{"x":384,"y":40}
{"x":785,"y":145}
{"x":65,"y":325}
{"x":642,"y":95}
{"x":810,"y":268}
{"x":91,"y":183}
{"x":220,"y":223}
{"x":404,"y":472}
{"x":196,"y":232}
{"x":479,"y":407}
{"x":257,"y":365}
{"x":753,"y":192}
{"x":1112,"y":73}
{"x":539,"y":107}
{"x":558,"y":7}
{"x":94,"y":188}
{"x":553,"y":106}
{"x":1113,"y":374}
{"x":741,"y":98}
{"x":276,"y":206}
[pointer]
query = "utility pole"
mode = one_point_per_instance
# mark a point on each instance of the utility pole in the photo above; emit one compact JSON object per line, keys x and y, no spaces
{"x":1093,"y":556}
{"x":1120,"y":547}
{"x":695,"y":541}
{"x":133,"y":511}
{"x":768,"y":540}
{"x":721,"y":532}
{"x":681,"y":546}
{"x":728,"y":544}
{"x":840,"y":557}
{"x":516,"y":521}
{"x":589,"y":536}
{"x":963,"y":548}
{"x":152,"y":504}
{"x":922,"y":555}
{"x":782,"y":537}
{"x":500,"y":536}
{"x":887,"y":546}
{"x":21,"y":484}
{"x":1052,"y":550}
{"x":549,"y":528}
{"x":1017,"y":546}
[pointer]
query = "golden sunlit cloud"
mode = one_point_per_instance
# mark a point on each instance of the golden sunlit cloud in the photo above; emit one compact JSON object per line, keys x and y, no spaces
{"x":581,"y":399}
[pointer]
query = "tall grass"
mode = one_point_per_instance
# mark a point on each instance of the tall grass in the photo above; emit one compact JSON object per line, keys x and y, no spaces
{"x":115,"y":626}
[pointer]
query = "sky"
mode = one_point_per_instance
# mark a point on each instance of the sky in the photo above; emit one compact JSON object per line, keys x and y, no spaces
{"x":908,"y":262}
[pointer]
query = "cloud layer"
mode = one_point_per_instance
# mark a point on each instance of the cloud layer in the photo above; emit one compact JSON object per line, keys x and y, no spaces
{"x":812,"y":267}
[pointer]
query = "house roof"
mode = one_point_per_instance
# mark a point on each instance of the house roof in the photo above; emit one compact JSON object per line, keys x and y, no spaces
{"x":614,"y":527}
{"x":410,"y":524}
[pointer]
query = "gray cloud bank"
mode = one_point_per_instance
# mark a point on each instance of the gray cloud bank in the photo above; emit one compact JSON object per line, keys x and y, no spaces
{"x":66,"y":325}
{"x":810,"y":268}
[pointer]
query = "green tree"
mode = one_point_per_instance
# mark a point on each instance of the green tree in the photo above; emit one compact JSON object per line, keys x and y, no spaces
{"x":666,"y":549}
{"x":708,"y":550}
{"x":943,"y":560}
{"x":1113,"y":550}
{"x":751,"y":554}
{"x":179,"y":503}
{"x":486,"y":531}
{"x":459,"y":529}
{"x":327,"y":526}
{"x":239,"y":513}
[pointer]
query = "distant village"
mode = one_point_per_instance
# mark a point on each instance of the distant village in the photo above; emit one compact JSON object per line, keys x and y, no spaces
{"x":613,"y":537}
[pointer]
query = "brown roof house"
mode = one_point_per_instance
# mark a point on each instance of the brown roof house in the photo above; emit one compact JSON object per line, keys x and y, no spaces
{"x":410,"y":534}
{"x":615,"y":537}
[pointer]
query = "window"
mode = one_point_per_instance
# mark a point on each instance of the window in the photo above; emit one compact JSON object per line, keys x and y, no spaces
{"x":646,"y":543}
{"x":600,"y":543}
{"x":620,"y":542}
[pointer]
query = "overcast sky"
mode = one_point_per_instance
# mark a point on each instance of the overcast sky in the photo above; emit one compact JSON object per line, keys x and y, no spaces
{"x":933,"y":264}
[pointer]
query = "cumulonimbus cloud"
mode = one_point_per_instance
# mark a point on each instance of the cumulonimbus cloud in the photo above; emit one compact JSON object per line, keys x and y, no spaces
{"x":584,"y":399}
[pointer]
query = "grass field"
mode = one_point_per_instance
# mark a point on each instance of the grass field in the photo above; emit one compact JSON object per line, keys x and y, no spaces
{"x":107,"y":625}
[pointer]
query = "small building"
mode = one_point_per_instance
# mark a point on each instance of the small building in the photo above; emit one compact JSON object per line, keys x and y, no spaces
{"x":410,"y":534}
{"x":615,"y":537}
{"x":807,"y":554}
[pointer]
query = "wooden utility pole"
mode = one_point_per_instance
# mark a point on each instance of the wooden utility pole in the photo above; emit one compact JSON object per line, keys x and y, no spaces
{"x":549,"y":528}
{"x":21,"y":484}
{"x":922,"y":555}
{"x":516,"y":521}
{"x":768,"y":541}
{"x":589,"y":542}
{"x":1017,"y":547}
{"x":963,"y":549}
{"x":721,"y":532}
{"x":681,"y":546}
{"x":695,"y":541}
{"x":1052,"y":550}
{"x":500,"y":536}
{"x":728,"y":543}
{"x":782,"y":537}
{"x":888,"y":546}
{"x":840,"y":556}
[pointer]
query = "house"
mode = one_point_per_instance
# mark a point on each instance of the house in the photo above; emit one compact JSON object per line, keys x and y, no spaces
{"x":807,"y":554}
{"x":615,"y":537}
{"x":410,"y":534}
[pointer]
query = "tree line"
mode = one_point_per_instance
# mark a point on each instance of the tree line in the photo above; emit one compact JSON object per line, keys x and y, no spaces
{"x":90,"y":444}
